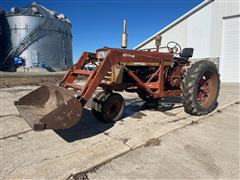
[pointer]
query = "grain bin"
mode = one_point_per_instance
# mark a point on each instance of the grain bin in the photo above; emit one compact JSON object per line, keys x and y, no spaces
{"x":40,"y":36}
{"x":2,"y":13}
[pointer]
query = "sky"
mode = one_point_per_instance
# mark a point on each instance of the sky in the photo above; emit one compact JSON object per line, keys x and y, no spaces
{"x":98,"y":23}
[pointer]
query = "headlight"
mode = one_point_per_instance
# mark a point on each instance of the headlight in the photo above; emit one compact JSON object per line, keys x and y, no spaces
{"x":102,"y":54}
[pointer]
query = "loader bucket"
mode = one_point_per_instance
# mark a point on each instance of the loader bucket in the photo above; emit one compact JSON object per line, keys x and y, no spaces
{"x":50,"y":107}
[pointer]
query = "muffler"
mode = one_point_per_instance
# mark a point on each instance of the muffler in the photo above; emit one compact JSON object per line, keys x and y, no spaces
{"x":50,"y":107}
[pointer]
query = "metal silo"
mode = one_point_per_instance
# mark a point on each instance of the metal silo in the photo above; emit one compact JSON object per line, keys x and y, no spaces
{"x":41,"y":37}
{"x":2,"y":13}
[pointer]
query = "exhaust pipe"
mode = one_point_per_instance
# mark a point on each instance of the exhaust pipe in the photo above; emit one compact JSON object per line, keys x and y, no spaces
{"x":124,"y":40}
{"x":158,"y":41}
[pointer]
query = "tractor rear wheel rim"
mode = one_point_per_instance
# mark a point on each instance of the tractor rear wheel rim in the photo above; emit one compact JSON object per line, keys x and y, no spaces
{"x":207,"y":88}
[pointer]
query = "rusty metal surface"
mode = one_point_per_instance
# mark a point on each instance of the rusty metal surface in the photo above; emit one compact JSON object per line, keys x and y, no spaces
{"x":50,"y":107}
{"x":206,"y":91}
{"x":117,"y":56}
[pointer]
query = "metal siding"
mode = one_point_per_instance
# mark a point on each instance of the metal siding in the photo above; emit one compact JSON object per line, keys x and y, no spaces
{"x":19,"y":26}
{"x":220,"y":9}
{"x":150,"y":44}
{"x":229,"y":63}
{"x":177,"y":34}
{"x":174,"y":23}
{"x":202,"y":30}
{"x":199,"y":32}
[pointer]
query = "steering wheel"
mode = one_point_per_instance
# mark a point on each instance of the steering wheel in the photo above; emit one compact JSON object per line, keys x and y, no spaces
{"x":174,"y":47}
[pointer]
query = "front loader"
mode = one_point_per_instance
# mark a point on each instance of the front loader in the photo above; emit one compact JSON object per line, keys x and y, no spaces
{"x":150,"y":73}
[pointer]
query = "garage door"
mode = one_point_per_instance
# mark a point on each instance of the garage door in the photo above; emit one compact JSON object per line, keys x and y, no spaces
{"x":229,"y":63}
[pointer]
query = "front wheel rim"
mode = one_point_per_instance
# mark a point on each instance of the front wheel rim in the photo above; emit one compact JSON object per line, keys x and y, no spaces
{"x":114,"y":108}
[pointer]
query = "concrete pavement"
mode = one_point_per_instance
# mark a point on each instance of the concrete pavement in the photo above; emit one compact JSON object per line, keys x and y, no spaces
{"x":208,"y":149}
{"x":62,"y":153}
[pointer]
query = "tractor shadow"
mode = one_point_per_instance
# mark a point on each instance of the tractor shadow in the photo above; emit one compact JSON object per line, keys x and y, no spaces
{"x":134,"y":108}
{"x":89,"y":126}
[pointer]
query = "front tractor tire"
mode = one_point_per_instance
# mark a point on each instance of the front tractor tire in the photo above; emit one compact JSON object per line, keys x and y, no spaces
{"x":200,"y":88}
{"x":108,"y":106}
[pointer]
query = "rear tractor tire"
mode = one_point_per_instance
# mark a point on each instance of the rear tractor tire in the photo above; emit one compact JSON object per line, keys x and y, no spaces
{"x":108,"y":106}
{"x":200,"y":88}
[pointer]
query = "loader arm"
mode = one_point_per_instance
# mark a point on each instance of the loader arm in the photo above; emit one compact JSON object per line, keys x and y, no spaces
{"x":94,"y":77}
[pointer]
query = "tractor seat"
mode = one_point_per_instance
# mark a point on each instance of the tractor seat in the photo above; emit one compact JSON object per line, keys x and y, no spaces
{"x":185,"y":54}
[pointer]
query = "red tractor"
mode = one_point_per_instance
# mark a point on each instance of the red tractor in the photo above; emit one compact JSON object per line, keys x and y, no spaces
{"x":150,"y":73}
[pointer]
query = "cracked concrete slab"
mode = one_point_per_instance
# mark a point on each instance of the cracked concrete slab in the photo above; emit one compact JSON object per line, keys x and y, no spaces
{"x":45,"y":154}
{"x":58,"y":154}
{"x":208,"y":149}
{"x":9,"y":95}
{"x":12,"y":125}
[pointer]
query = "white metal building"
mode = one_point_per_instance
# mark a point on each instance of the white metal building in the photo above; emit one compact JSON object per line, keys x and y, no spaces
{"x":213,"y":30}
